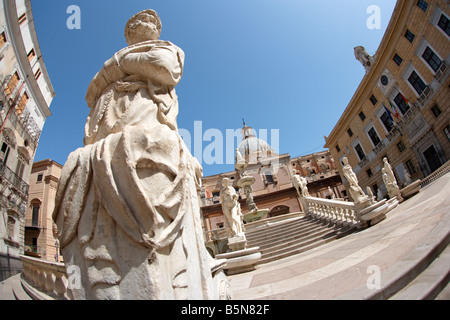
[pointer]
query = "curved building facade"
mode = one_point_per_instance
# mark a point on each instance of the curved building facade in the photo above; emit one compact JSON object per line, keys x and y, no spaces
{"x":25,"y":97}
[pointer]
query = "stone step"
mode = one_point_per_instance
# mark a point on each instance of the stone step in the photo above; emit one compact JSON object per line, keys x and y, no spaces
{"x":287,"y":246}
{"x":287,"y":238}
{"x":271,"y":233}
{"x":304,"y":245}
{"x":296,"y":232}
{"x":11,"y":289}
{"x":428,"y":284}
{"x":272,"y":229}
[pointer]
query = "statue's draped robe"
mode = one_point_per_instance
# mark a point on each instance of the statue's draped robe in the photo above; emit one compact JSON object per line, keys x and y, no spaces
{"x":126,"y":205}
{"x":231,"y":210}
{"x":356,"y":192}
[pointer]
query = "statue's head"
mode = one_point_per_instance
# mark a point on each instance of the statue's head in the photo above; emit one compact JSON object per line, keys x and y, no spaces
{"x":345,"y":161}
{"x":143,"y":26}
{"x":225,"y":182}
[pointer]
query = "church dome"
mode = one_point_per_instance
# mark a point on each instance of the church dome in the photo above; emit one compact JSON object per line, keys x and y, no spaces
{"x":252,"y":146}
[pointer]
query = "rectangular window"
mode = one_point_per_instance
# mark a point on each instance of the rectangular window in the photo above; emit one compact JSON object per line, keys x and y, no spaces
{"x":12,"y":84}
{"x":401,"y":146}
{"x":398,"y":60}
{"x":369,"y":173}
{"x":31,"y":55}
{"x":417,"y":82}
{"x":4,"y":147}
{"x":39,"y":177}
{"x":444,"y":25}
{"x":436,"y":110}
{"x":350,"y":132}
{"x":432,"y":59}
{"x":269,"y":178}
{"x":22,"y":18}
{"x":387,"y":121}
{"x":216,"y":197}
{"x":360,"y":152}
{"x":401,"y":103}
{"x":22,"y":103}
{"x":37,"y":74}
{"x":422,"y":5}
{"x":338,"y":149}
{"x":374,"y":136}
{"x":447,"y":132}
{"x":410,"y":36}
{"x":19,"y":169}
{"x":2,"y":39}
{"x":5,"y":150}
{"x":362,"y":116}
{"x":373,"y":100}
{"x":35,"y":216}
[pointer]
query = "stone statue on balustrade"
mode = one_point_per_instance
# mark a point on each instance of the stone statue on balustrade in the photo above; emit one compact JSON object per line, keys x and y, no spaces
{"x":126,"y":204}
{"x":390,"y":181}
{"x":356,"y":192}
{"x":391,"y":185}
{"x":231,"y":209}
{"x":390,"y":173}
{"x":331,"y":193}
{"x":300,"y":183}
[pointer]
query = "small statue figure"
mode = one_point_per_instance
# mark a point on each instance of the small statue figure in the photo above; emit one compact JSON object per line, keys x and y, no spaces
{"x":300,"y":184}
{"x":356,"y":192}
{"x":231,"y":208}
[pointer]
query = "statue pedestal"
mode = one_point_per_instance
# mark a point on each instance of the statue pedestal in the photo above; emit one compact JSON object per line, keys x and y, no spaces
{"x":375,"y":213}
{"x":241,"y":260}
{"x":238,"y":242}
{"x":410,"y":189}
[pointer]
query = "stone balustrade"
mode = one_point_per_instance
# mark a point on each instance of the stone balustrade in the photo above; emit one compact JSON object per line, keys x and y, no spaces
{"x":44,"y":280}
{"x":336,"y":211}
{"x":445,"y":168}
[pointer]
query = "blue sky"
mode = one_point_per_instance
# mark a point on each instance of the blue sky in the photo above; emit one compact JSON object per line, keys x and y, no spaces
{"x":285,"y":65}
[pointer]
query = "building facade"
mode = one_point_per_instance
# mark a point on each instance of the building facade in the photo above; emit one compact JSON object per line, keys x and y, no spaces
{"x":273,"y":188}
{"x":25,"y":96}
{"x":401,"y":109}
{"x":41,"y":234}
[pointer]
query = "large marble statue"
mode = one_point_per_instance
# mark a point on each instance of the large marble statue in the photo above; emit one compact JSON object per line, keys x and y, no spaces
{"x":231,"y":208}
{"x":126,"y":204}
{"x":356,"y":192}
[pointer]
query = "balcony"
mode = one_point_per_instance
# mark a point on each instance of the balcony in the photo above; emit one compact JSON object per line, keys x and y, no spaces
{"x":17,"y":183}
{"x":363,"y":162}
{"x":442,"y":71}
{"x":378,"y":147}
{"x":424,"y":95}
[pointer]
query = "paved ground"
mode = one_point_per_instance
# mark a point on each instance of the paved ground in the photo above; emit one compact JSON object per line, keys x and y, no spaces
{"x":364,"y":264}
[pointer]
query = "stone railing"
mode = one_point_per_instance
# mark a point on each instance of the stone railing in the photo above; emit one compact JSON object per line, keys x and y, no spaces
{"x":445,"y":168}
{"x":44,"y":280}
{"x":339,"y":212}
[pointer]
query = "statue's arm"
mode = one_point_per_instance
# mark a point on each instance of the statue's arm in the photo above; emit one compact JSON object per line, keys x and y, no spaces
{"x":164,"y":65}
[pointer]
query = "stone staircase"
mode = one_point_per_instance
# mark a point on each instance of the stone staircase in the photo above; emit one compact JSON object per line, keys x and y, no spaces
{"x":293,"y":236}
